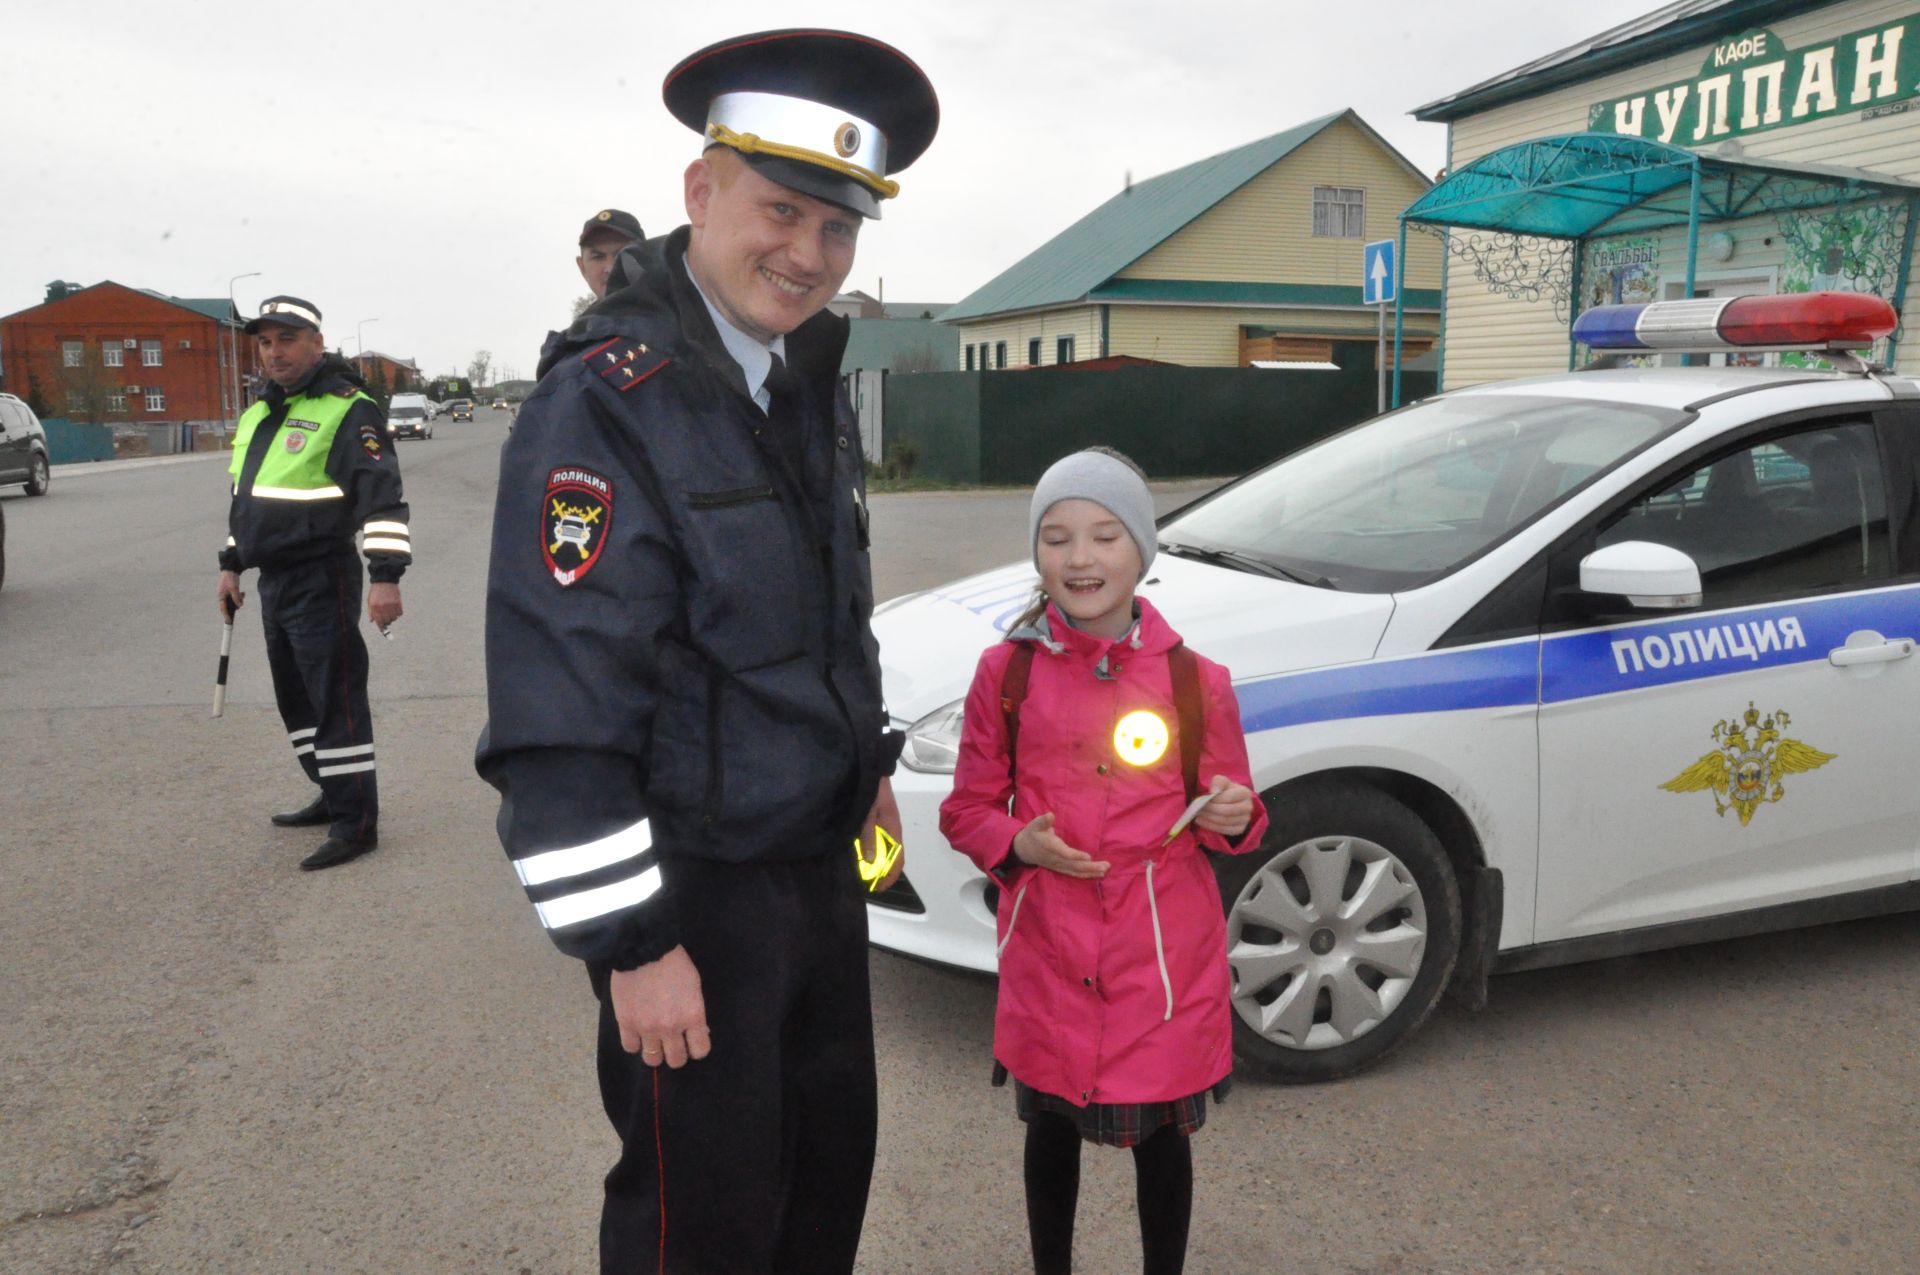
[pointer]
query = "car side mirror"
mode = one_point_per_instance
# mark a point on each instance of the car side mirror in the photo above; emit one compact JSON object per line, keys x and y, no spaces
{"x":1650,"y":576}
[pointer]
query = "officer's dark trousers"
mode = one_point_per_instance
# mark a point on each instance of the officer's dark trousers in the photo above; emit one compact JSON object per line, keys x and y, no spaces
{"x":756,"y":1159}
{"x":311,"y":613}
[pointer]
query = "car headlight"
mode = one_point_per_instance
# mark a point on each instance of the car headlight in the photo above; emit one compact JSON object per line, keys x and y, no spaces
{"x":933,"y":742}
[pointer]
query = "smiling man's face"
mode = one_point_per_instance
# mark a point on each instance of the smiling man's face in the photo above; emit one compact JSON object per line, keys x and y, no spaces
{"x":767,"y":256}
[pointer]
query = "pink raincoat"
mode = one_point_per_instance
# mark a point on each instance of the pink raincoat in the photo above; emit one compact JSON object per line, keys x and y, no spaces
{"x":1112,"y":990}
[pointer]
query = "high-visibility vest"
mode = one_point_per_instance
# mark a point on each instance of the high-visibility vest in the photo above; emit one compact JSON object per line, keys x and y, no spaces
{"x":295,"y":464}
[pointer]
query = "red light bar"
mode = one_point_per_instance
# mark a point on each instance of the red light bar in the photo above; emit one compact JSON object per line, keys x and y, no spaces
{"x":1807,"y":319}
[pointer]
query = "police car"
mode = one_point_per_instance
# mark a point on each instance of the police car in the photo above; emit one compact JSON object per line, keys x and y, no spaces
{"x":1531,"y":672}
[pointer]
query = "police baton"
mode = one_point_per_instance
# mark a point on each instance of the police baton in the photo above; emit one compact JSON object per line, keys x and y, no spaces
{"x":226,"y":646}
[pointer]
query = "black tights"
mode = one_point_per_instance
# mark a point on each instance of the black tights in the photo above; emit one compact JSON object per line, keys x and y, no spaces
{"x":1163,"y":1190}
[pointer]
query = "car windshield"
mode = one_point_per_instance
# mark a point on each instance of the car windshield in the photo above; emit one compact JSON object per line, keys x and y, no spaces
{"x":1403,"y":500}
{"x":410,"y":411}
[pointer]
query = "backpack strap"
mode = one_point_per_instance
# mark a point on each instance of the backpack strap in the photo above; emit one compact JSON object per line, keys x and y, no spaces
{"x":1013,"y":692}
{"x":1191,"y":707}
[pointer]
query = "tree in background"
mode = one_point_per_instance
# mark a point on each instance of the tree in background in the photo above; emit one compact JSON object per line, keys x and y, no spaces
{"x":477,"y":369}
{"x":580,"y":304}
{"x":82,"y":391}
{"x":35,"y":399}
{"x":377,"y":385}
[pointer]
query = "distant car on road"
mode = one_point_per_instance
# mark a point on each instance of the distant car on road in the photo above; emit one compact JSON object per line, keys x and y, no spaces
{"x":408,"y":422}
{"x":460,"y":410}
{"x":23,"y":447}
{"x":499,"y":403}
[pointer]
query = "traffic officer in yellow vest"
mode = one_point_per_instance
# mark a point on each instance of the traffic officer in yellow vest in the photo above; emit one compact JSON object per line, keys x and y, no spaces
{"x":313,"y":465}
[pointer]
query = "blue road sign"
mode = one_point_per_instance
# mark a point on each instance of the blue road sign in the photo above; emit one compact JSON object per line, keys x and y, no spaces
{"x":1377,"y":286}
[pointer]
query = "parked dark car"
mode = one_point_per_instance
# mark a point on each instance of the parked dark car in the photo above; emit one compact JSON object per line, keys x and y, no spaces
{"x":23,"y":447}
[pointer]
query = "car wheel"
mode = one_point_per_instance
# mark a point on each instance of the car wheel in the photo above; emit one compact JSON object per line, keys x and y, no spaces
{"x":39,"y":477}
{"x":1342,"y":931}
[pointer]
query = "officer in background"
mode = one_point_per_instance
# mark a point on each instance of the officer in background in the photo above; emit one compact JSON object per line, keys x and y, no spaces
{"x":312,"y":465}
{"x":685,"y":715}
{"x":601,"y":239}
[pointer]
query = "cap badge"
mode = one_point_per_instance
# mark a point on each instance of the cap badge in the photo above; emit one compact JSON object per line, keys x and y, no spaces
{"x":846,"y":140}
{"x":603,"y":215}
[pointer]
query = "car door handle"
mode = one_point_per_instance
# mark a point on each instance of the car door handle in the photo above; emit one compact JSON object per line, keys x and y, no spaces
{"x":1868,"y":647}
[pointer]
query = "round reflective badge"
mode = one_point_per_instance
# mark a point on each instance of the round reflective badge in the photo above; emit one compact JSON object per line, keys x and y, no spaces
{"x":1140,"y":739}
{"x":295,"y":441}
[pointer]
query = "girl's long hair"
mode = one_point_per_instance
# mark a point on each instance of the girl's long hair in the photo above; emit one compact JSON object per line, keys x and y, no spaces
{"x":1038,"y":606}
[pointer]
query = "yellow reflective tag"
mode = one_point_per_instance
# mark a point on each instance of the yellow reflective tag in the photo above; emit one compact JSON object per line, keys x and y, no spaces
{"x":1140,"y":739}
{"x":873,"y":871}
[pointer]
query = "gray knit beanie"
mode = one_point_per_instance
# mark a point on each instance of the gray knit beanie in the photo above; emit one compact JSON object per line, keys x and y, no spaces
{"x":1108,"y":480}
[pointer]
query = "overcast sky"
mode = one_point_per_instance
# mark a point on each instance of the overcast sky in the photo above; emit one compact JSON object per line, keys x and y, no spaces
{"x":428,"y":164}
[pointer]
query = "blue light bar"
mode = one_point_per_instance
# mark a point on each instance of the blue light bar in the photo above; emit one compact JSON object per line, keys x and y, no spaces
{"x":1610,"y":327}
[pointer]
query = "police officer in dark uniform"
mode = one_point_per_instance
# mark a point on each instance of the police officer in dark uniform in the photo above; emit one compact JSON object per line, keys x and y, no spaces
{"x":312,"y":466}
{"x":685,"y":716}
{"x":601,"y":239}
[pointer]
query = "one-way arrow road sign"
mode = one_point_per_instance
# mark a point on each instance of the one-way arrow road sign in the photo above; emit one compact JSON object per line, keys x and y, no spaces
{"x":1376,"y":275}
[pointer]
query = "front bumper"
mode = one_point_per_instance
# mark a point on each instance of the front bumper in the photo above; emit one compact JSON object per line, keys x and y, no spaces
{"x":956,"y":926}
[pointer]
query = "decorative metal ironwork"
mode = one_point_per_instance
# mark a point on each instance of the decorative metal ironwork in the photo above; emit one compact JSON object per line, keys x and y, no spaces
{"x":1524,"y":267}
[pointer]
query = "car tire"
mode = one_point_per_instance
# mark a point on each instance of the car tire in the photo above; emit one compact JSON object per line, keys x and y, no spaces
{"x":39,"y":476}
{"x":1342,"y":931}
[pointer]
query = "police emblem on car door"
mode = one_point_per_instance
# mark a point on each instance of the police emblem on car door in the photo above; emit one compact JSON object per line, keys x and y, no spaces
{"x":576,"y":514}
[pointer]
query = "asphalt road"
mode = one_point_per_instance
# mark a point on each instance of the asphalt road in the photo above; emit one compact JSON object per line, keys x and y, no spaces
{"x":211,"y":1062}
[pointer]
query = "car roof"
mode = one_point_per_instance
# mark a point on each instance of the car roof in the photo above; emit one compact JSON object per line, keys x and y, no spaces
{"x":1674,"y":387}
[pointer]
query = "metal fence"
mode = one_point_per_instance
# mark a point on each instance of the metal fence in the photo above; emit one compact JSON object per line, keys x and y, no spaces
{"x":1007,"y":427}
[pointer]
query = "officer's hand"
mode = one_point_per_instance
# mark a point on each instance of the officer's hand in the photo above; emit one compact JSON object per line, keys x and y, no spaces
{"x":1038,"y":846}
{"x":662,"y":1015}
{"x":228,"y":596}
{"x":1230,"y":812}
{"x":885,"y":814}
{"x":383,"y":603}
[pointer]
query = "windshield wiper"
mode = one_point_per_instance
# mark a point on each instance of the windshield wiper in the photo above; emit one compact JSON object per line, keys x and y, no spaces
{"x":1244,"y":562}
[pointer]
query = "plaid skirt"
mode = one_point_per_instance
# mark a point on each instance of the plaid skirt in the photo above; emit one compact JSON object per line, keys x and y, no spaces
{"x":1118,"y":1124}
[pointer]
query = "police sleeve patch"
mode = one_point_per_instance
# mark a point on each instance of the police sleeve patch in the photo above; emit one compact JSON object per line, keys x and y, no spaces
{"x":370,"y":440}
{"x":575,"y":518}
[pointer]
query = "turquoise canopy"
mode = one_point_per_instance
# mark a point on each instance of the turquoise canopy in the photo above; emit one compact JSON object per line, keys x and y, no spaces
{"x":1582,"y":185}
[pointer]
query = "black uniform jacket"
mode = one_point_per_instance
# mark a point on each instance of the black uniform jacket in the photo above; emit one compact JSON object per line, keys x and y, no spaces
{"x":679,"y":659}
{"x":275,"y":534}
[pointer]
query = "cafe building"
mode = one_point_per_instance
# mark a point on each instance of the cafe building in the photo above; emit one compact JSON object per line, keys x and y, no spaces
{"x":1712,"y":148}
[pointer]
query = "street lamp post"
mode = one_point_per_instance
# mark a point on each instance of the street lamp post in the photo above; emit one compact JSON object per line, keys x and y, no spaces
{"x":233,"y":338}
{"x":359,"y":346}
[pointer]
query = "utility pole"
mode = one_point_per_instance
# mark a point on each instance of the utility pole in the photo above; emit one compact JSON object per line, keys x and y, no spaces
{"x":359,"y":346}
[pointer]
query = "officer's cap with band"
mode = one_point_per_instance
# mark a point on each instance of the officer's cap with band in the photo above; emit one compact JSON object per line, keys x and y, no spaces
{"x":289,"y":312}
{"x":614,"y":221}
{"x":828,"y":113}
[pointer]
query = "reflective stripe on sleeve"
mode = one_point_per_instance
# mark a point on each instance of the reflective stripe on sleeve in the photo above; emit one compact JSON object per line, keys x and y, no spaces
{"x":299,"y":735}
{"x":588,"y":904}
{"x":346,"y":768}
{"x":357,"y":750}
{"x":573,"y":861}
{"x":386,"y":544}
{"x":232,"y":543}
{"x":298,"y":493}
{"x":392,"y":528}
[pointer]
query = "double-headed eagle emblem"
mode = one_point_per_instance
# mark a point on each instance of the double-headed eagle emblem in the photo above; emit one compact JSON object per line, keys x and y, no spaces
{"x":1746,"y":768}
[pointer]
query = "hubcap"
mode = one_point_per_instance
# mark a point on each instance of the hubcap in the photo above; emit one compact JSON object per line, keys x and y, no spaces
{"x":1325,"y":942}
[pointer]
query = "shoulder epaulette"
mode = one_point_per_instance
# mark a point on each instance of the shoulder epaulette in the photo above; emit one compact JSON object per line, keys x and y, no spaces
{"x":345,"y":391}
{"x":624,"y":364}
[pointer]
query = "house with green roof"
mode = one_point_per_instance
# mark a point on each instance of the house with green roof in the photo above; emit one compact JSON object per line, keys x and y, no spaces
{"x":1251,"y":255}
{"x":155,"y":366}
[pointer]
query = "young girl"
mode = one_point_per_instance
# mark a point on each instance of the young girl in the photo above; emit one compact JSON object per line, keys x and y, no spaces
{"x":1113,"y":1015}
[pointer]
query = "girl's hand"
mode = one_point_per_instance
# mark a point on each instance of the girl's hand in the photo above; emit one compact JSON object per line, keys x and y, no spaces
{"x":1037,"y":845}
{"x":1229,"y":813}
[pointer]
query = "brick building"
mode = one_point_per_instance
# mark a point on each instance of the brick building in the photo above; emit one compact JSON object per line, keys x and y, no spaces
{"x":401,"y":375}
{"x":128,"y":357}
